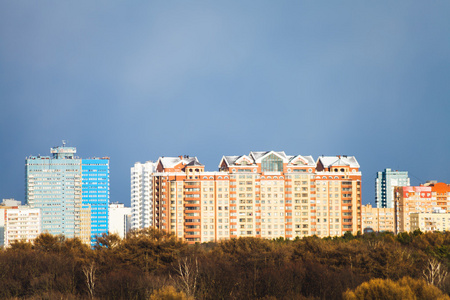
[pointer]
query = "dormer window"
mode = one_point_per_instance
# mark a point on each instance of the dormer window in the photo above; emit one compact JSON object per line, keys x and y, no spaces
{"x":272,"y":163}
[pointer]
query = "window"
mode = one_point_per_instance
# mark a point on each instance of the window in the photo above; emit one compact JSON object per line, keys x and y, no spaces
{"x":272,"y":163}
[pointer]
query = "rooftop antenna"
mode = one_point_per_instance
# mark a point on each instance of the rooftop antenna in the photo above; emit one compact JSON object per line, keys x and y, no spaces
{"x":64,"y":143}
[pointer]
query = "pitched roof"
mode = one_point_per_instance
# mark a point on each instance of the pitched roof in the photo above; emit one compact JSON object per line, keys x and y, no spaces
{"x":170,"y":162}
{"x":256,"y":156}
{"x":259,"y":154}
{"x":330,"y":161}
{"x":194,"y":163}
{"x":309,"y":160}
{"x":229,"y":160}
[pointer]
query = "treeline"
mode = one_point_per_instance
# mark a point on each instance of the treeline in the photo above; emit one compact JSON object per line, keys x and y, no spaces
{"x":149,"y":264}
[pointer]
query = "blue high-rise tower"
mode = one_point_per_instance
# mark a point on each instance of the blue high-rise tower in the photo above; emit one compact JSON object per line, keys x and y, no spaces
{"x":95,"y":193}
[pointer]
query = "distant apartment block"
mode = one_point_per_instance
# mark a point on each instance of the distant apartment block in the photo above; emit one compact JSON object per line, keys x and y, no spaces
{"x":424,"y":199}
{"x":119,"y":219}
{"x":384,"y":186}
{"x":72,"y":193}
{"x":19,"y":223}
{"x":263,"y":194}
{"x":438,"y":220}
{"x":377,"y":219}
{"x":141,"y":195}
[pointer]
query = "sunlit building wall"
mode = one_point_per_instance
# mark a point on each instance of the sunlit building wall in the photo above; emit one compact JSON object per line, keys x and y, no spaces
{"x":20,"y":223}
{"x":264,"y":194}
{"x":141,"y":194}
{"x":119,"y":219}
{"x":430,"y":222}
{"x":377,"y":219}
{"x":426,"y":198}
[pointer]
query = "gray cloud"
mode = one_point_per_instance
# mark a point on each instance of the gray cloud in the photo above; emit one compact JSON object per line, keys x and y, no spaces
{"x":138,"y":80}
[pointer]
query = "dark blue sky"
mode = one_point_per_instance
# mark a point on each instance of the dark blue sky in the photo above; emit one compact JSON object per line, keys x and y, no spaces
{"x":136,"y":80}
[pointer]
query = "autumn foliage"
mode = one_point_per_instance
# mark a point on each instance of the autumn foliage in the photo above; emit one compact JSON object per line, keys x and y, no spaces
{"x":151,"y":264}
{"x":403,"y":289}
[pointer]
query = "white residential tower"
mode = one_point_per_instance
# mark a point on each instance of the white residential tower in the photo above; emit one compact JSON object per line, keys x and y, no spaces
{"x":141,"y":194}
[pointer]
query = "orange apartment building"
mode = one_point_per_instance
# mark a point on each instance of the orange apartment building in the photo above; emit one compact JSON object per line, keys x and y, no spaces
{"x":423,"y":199}
{"x":265,"y":194}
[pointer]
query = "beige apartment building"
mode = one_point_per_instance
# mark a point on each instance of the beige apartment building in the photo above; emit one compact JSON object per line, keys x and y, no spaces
{"x":263,"y":194}
{"x":377,"y":219}
{"x":423,"y":199}
{"x":20,"y":223}
{"x":430,"y":222}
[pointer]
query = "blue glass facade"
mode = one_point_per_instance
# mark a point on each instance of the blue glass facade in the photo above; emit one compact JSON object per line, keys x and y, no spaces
{"x":95,"y":193}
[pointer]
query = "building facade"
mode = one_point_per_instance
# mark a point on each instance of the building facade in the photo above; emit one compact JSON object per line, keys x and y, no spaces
{"x":384,"y":186}
{"x":119,"y":219}
{"x":265,"y":194}
{"x":72,"y":193}
{"x":142,"y":195}
{"x":53,"y":184}
{"x":95,"y":194}
{"x":425,"y":198}
{"x":377,"y":219}
{"x":20,"y":223}
{"x":430,"y":222}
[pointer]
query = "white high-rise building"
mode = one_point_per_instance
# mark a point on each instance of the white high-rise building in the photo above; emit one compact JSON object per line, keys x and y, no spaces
{"x":141,"y":194}
{"x":119,"y":219}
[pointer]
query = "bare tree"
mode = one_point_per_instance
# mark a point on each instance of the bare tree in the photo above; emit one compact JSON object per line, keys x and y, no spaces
{"x":188,"y":272}
{"x":89,"y":273}
{"x":434,"y":272}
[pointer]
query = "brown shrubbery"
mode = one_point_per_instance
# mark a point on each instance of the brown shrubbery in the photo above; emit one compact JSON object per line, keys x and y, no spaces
{"x":151,"y":264}
{"x":403,"y":289}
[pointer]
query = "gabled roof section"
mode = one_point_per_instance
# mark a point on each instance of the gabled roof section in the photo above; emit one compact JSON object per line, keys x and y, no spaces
{"x":171,"y":162}
{"x":301,"y":160}
{"x":194,"y":163}
{"x":244,"y":160}
{"x":241,"y":160}
{"x":258,"y":156}
{"x":229,"y":160}
{"x":332,"y":161}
